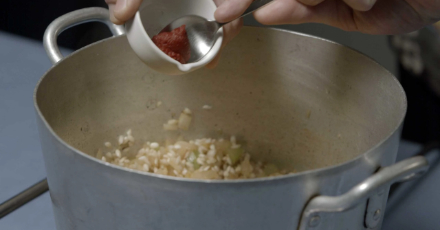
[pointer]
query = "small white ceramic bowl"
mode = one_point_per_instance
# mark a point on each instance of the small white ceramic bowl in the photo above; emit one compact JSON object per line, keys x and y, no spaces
{"x":152,"y":17}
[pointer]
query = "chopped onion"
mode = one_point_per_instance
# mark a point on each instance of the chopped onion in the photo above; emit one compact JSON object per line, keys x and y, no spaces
{"x":184,"y":121}
{"x":170,"y":127}
{"x":235,"y":155}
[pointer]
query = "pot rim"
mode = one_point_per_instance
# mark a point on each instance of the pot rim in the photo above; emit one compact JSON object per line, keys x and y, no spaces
{"x":335,"y":167}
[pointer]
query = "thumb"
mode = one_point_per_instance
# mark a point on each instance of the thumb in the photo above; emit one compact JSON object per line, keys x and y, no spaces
{"x":231,"y":9}
{"x":126,"y":9}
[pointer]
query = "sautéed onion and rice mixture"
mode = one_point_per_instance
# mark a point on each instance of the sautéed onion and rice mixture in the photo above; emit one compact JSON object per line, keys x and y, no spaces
{"x":205,"y":158}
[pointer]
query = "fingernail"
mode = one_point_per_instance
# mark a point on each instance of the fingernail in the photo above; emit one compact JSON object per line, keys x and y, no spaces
{"x":372,"y":2}
{"x":121,"y":6}
{"x":366,"y":5}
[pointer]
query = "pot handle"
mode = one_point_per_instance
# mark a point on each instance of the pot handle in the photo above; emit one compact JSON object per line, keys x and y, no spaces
{"x":372,"y":187}
{"x":72,"y":19}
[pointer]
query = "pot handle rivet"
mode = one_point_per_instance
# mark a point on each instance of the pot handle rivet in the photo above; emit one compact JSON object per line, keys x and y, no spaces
{"x":314,"y":221}
{"x":376,"y":215}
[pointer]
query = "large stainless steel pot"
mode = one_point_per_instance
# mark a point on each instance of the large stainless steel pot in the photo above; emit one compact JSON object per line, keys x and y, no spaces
{"x":307,"y":103}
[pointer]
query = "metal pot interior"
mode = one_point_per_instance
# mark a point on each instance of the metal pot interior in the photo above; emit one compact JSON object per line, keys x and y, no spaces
{"x":302,"y":102}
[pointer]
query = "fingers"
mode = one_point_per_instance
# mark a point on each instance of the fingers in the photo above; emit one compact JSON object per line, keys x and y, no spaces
{"x":228,"y":11}
{"x":230,"y":30}
{"x":335,"y":13}
{"x":112,"y":15}
{"x":360,"y":5}
{"x":122,"y":10}
{"x":310,"y":2}
{"x":231,"y":9}
{"x":284,"y":12}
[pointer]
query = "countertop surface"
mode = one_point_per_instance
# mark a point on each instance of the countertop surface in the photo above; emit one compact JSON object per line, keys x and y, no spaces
{"x":23,"y":62}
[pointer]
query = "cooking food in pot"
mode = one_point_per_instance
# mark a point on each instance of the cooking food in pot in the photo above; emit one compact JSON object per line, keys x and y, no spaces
{"x":198,"y":159}
{"x":286,"y":92}
{"x":204,"y":158}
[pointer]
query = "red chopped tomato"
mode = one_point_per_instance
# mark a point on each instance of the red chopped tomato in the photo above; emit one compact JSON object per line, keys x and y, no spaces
{"x":175,"y":44}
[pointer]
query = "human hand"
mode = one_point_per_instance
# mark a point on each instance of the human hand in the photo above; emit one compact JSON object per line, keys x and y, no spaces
{"x":123,"y":10}
{"x":367,"y":16}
